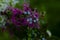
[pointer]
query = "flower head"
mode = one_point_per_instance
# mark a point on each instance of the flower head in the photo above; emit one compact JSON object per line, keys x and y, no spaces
{"x":25,"y":17}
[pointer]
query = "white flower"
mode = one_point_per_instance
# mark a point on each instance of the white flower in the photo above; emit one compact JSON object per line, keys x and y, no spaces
{"x":5,"y":1}
{"x":2,"y":20}
{"x":14,"y":2}
{"x":3,"y":6}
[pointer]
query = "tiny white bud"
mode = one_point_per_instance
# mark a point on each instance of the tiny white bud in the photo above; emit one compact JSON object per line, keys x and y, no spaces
{"x":28,"y":12}
{"x":25,"y":12}
{"x":34,"y":20}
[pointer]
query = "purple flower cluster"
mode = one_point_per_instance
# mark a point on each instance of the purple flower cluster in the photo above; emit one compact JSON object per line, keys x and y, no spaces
{"x":25,"y":17}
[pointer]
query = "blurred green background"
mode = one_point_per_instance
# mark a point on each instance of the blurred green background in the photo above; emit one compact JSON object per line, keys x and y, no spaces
{"x":52,"y":7}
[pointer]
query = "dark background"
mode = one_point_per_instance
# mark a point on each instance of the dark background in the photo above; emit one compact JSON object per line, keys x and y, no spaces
{"x":52,"y":7}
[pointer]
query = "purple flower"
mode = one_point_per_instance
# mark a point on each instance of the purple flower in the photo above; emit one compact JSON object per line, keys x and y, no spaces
{"x":26,"y":7}
{"x":25,"y":17}
{"x":15,"y":10}
{"x":32,"y":22}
